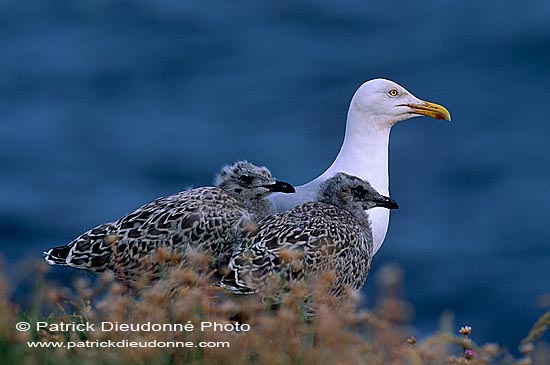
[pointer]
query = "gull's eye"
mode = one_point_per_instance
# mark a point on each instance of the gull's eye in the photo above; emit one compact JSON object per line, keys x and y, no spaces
{"x":392,"y":92}
{"x":359,"y":189}
{"x":245,"y":179}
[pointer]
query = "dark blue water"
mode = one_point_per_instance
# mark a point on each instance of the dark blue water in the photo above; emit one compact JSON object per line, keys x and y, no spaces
{"x":106,"y":105}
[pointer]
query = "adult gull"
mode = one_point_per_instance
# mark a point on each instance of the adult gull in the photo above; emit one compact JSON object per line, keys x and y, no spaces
{"x":376,"y":106}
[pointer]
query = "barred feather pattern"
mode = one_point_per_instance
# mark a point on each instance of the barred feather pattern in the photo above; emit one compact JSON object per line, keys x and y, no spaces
{"x":301,"y":243}
{"x":205,"y":219}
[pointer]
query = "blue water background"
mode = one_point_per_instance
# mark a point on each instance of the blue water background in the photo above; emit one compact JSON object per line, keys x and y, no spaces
{"x":106,"y":105}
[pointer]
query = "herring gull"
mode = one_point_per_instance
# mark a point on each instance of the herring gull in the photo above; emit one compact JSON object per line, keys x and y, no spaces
{"x":203,"y":218}
{"x":331,"y":234}
{"x":375,"y":107}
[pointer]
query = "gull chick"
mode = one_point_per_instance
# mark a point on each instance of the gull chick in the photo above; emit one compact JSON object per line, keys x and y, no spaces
{"x":332,"y":234}
{"x":204,"y":219}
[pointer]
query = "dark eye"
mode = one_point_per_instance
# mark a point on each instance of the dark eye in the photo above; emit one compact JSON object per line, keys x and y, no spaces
{"x":245,"y":179}
{"x":359,"y":189}
{"x":392,"y":92}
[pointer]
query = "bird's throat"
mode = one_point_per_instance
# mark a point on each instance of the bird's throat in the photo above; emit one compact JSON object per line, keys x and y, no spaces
{"x":364,"y":154}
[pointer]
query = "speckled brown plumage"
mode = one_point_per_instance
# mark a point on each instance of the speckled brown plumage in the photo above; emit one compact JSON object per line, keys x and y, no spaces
{"x":332,"y":234}
{"x":205,"y":219}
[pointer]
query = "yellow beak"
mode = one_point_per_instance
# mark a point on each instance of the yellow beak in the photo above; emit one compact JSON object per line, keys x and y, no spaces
{"x":431,"y":110}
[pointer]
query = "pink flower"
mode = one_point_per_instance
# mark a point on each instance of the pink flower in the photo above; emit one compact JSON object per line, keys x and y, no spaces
{"x":470,"y":354}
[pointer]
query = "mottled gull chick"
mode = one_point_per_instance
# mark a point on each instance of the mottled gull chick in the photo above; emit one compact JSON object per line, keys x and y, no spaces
{"x":376,"y":106}
{"x":205,"y":219}
{"x":332,"y":234}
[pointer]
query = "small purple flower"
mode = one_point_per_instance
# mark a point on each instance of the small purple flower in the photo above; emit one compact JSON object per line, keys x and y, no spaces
{"x":470,"y":354}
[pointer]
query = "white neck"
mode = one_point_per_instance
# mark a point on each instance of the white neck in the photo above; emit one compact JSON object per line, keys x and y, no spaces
{"x":364,"y":152}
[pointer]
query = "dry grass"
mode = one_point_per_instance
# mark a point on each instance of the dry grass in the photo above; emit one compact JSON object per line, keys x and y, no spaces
{"x":341,"y":333}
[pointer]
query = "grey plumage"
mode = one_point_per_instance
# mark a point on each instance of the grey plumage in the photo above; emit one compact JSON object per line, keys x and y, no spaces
{"x":331,"y":234}
{"x":205,"y":219}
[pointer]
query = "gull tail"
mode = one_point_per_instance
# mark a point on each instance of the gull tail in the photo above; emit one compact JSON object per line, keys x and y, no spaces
{"x":57,"y":255}
{"x":231,"y":283}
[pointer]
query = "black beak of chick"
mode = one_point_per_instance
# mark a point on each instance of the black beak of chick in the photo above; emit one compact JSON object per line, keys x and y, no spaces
{"x":388,"y":203}
{"x":281,"y":187}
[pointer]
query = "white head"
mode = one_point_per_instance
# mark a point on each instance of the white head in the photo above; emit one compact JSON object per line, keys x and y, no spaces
{"x":387,"y":103}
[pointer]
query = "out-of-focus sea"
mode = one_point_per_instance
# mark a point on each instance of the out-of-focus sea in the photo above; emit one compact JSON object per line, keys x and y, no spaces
{"x":106,"y":105}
